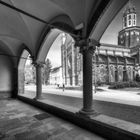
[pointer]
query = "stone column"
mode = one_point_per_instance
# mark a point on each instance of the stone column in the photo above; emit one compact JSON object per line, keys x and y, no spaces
{"x":66,"y":66}
{"x":38,"y":80}
{"x":87,"y":48}
{"x":73,"y":66}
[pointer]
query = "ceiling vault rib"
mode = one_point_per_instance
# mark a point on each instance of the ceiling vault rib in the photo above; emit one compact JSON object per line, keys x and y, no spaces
{"x":36,"y":18}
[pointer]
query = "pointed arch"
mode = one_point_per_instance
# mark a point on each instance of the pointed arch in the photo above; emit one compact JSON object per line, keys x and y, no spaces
{"x":21,"y":65}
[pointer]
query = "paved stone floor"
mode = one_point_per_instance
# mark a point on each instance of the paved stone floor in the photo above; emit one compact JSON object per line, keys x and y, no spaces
{"x":19,"y":121}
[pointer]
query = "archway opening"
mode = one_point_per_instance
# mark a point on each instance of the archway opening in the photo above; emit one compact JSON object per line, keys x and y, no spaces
{"x":65,"y":77}
{"x":26,"y":75}
{"x":61,"y":71}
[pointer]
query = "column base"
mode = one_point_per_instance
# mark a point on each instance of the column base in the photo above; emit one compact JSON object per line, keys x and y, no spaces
{"x":87,"y":113}
{"x":37,"y":98}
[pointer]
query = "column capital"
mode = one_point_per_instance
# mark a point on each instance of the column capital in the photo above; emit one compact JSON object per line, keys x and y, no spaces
{"x":87,"y":45}
{"x":38,"y":64}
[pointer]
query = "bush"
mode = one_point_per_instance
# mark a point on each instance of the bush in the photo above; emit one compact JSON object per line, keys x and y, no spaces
{"x":119,"y":85}
{"x":98,"y":83}
{"x":137,"y":77}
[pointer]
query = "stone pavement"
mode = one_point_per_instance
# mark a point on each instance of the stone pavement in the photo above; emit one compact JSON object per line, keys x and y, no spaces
{"x":19,"y":121}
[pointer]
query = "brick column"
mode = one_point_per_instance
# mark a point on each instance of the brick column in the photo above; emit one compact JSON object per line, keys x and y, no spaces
{"x":87,"y":48}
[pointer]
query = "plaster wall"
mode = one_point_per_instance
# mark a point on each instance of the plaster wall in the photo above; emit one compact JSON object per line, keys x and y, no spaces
{"x":5,"y":76}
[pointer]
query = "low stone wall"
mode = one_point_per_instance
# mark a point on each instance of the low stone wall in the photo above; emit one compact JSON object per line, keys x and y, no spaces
{"x":105,"y":126}
{"x":5,"y":94}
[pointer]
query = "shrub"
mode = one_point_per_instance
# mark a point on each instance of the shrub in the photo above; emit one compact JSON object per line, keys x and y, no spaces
{"x":119,"y":85}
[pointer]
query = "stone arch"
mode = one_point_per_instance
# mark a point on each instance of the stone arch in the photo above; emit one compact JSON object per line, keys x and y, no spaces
{"x":21,"y":65}
{"x":46,"y":45}
{"x":63,"y":22}
{"x":48,"y":35}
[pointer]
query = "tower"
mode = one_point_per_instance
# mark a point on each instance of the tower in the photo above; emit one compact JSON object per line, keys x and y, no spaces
{"x":129,"y":16}
{"x":129,"y":36}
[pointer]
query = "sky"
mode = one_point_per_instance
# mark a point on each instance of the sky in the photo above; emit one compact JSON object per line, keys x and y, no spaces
{"x":54,"y":53}
{"x":111,"y":33}
{"x":109,"y":37}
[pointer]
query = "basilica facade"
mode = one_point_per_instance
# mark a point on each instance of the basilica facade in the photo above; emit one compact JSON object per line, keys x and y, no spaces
{"x":111,"y":63}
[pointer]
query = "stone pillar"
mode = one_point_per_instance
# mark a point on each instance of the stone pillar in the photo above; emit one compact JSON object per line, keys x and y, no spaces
{"x":38,"y":80}
{"x":87,"y":48}
{"x":66,"y":66}
{"x":73,"y":66}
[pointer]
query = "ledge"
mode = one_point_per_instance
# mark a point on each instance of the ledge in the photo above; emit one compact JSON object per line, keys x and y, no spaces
{"x":105,"y":126}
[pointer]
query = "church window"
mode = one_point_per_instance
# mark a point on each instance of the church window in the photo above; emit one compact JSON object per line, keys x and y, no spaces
{"x":134,"y":16}
{"x":134,"y":23}
{"x":129,"y":17}
{"x":127,"y":33}
{"x":136,"y":32}
{"x":132,"y":33}
{"x":129,"y":22}
{"x":138,"y":39}
{"x":124,"y":24}
{"x":125,"y":19}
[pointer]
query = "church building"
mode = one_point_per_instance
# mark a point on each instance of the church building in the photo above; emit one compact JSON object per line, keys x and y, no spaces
{"x":111,"y":63}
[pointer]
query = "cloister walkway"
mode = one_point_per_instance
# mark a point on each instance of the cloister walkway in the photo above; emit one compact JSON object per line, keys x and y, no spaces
{"x":19,"y":121}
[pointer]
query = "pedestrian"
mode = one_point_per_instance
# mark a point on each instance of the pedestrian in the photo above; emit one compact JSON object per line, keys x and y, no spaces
{"x":63,"y":87}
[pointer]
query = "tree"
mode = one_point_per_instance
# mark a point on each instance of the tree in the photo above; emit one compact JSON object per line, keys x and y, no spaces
{"x":137,"y":77}
{"x":34,"y":74}
{"x":28,"y":74}
{"x":46,"y":72}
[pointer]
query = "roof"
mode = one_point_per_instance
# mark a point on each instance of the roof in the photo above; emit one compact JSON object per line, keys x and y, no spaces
{"x":130,"y":8}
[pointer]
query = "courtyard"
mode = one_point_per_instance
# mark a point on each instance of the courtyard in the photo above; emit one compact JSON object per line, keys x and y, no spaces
{"x":122,"y":103}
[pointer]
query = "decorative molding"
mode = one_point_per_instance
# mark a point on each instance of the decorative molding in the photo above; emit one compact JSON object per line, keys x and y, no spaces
{"x":87,"y":44}
{"x":38,"y":64}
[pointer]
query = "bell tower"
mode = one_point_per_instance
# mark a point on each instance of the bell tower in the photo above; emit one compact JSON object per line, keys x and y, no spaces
{"x":129,"y":36}
{"x":129,"y":16}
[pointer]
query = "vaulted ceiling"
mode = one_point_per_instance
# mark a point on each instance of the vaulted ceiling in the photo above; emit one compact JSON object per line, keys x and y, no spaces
{"x":27,"y":25}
